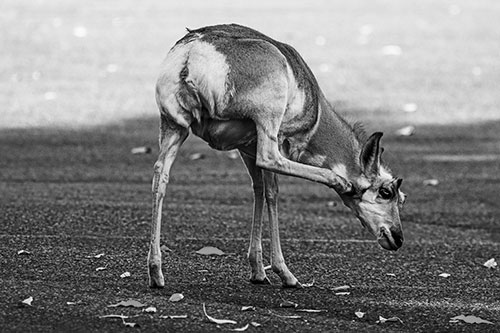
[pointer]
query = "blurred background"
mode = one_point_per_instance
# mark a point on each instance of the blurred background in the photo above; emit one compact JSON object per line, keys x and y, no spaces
{"x":80,"y":64}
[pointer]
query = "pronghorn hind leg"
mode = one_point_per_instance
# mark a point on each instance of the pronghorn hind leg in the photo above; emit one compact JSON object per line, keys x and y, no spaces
{"x":171,"y":138}
{"x":277,"y":261}
{"x":258,"y":275}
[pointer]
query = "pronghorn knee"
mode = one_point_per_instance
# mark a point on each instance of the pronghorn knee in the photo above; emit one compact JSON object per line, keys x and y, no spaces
{"x":160,"y":179}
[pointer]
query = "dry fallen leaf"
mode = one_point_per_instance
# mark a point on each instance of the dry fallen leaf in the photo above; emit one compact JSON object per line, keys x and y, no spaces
{"x":310,"y":310}
{"x":239,"y":329}
{"x":491,"y":263}
{"x":122,"y":317}
{"x":431,"y":182}
{"x":125,"y":275}
{"x":382,"y":320}
{"x":217,"y":321}
{"x":406,"y":131}
{"x":130,"y":302}
{"x":27,"y":301}
{"x":210,"y":250}
{"x":112,"y":68}
{"x":97,"y":256}
{"x":165,"y":248}
{"x":248,"y":308}
{"x":176,"y":297}
{"x":470,"y":320}
{"x":150,"y":309}
{"x":410,"y":107}
{"x":341,"y":288}
{"x":80,"y":31}
{"x":359,"y":314}
{"x":23,"y":252}
{"x":392,"y":50}
{"x":174,"y":316}
{"x":140,"y":150}
{"x":286,"y":317}
{"x":114,"y":316}
{"x":288,"y":304}
{"x":50,"y":95}
{"x":308,"y":285}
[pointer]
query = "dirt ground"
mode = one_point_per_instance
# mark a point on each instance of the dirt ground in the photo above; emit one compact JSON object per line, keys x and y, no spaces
{"x":69,"y":195}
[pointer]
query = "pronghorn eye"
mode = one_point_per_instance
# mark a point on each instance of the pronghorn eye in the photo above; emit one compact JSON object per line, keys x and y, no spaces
{"x":385,"y":193}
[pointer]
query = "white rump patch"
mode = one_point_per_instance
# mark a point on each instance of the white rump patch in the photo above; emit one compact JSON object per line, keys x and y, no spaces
{"x":208,"y":70}
{"x":173,"y":64}
{"x":168,"y":83}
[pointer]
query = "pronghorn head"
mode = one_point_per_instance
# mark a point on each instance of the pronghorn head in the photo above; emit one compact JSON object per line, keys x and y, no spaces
{"x":375,"y":197}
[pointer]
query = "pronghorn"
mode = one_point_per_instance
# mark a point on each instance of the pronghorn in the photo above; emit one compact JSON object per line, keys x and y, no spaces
{"x":236,"y":88}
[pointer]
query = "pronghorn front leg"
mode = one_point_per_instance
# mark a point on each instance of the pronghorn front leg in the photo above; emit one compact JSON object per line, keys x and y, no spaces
{"x":277,"y":261}
{"x":171,"y":138}
{"x":258,"y":275}
{"x":270,"y":158}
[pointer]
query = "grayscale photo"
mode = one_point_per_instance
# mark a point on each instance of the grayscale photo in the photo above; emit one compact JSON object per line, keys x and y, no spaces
{"x":262,"y":166}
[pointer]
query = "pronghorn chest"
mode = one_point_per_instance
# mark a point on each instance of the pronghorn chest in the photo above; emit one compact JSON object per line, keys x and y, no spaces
{"x":226,"y":134}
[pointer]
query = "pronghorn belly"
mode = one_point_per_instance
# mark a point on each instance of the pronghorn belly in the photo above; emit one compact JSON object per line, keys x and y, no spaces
{"x":226,"y":134}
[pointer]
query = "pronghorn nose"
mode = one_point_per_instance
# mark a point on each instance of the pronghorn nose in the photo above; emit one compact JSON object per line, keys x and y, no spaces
{"x":397,"y":235}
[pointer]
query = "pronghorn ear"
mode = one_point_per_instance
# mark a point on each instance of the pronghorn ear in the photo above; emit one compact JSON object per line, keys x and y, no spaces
{"x":370,"y":155}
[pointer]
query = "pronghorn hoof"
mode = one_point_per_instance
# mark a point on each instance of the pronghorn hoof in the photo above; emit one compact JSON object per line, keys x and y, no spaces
{"x":156,"y":279}
{"x":156,"y":283}
{"x":258,"y":281}
{"x":296,"y":285}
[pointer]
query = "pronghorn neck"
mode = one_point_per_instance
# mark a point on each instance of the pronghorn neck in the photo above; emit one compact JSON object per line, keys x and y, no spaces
{"x":335,"y":144}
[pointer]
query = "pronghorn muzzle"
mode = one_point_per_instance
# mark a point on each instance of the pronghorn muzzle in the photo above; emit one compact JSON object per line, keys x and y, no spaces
{"x":390,"y":239}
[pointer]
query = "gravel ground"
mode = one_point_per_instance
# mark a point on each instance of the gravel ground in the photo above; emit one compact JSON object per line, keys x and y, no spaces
{"x":66,"y":196}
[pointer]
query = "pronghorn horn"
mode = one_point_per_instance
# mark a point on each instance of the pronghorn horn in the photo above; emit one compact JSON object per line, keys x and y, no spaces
{"x":370,"y":155}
